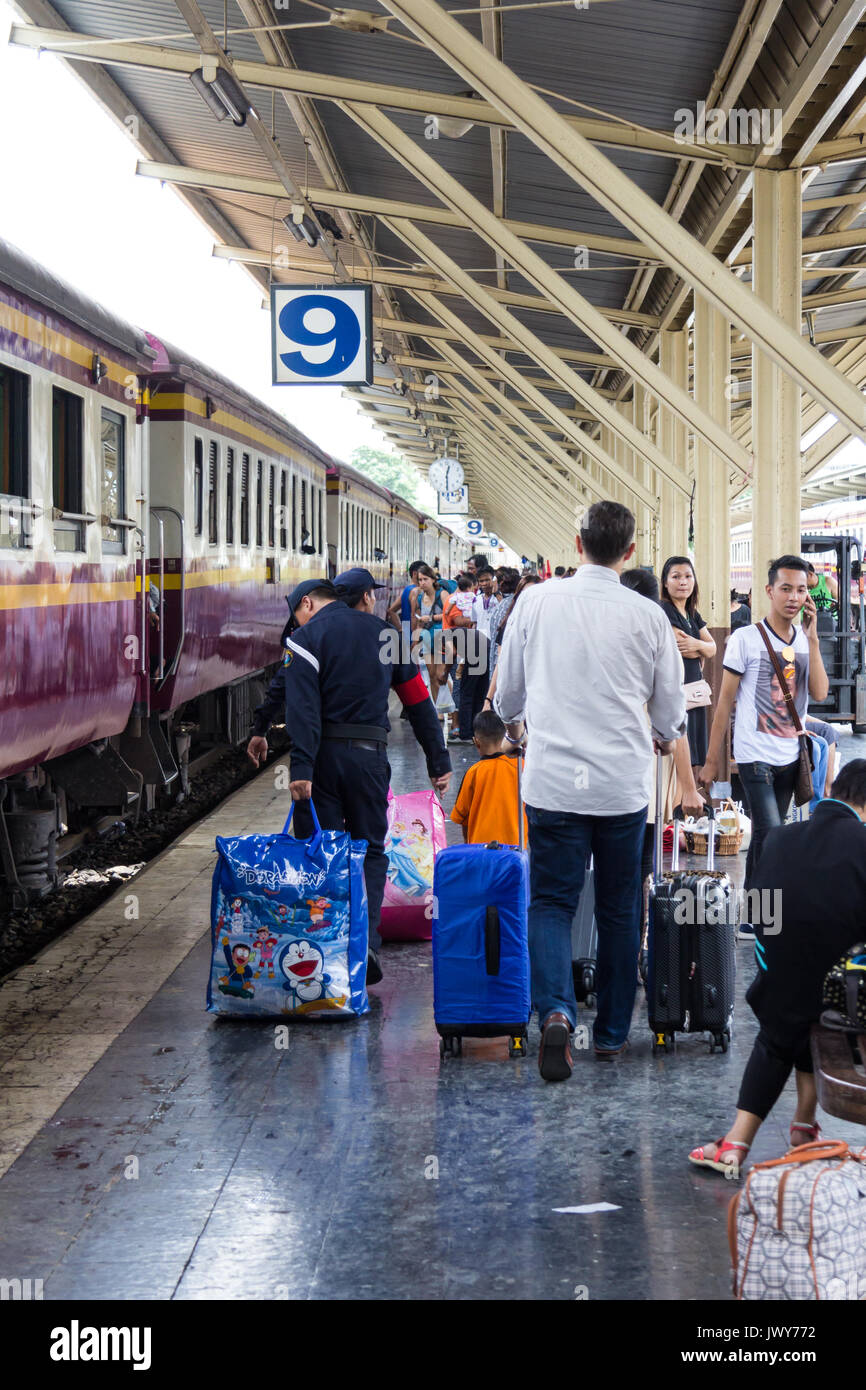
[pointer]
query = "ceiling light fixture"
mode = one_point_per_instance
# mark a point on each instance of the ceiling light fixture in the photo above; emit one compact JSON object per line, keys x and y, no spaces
{"x":220,"y":91}
{"x":301,"y":226}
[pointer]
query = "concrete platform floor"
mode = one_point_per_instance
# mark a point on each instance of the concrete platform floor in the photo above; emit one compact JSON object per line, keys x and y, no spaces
{"x":152,"y":1150}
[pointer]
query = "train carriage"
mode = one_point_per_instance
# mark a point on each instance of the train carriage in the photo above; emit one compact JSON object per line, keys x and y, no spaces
{"x":153,"y":517}
{"x":250,"y":492}
{"x":72,"y":621}
{"x":359,"y":524}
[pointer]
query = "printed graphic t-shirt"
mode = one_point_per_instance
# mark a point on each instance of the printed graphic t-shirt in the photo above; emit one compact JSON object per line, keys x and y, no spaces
{"x":763,"y":729}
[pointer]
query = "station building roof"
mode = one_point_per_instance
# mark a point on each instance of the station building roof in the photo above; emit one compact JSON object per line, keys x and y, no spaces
{"x":344,"y":103}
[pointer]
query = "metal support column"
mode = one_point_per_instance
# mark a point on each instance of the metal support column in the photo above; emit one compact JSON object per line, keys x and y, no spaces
{"x":673,"y":441}
{"x":712,"y":510}
{"x":712,"y":367}
{"x":775,"y":397}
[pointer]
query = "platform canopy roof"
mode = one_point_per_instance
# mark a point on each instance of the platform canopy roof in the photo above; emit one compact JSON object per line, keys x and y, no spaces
{"x":528,"y":188}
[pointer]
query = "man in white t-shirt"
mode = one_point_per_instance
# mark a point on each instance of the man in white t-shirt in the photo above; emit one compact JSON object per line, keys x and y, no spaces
{"x":765,"y":739}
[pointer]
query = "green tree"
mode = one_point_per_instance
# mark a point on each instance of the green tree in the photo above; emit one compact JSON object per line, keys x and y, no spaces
{"x":395,"y":472}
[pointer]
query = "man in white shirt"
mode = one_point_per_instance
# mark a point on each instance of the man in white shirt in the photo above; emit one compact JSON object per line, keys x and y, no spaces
{"x":583,"y":662}
{"x":765,"y":738}
{"x":485,"y":603}
{"x":476,"y":671}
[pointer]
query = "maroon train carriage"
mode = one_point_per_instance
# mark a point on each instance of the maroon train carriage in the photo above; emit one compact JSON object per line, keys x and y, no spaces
{"x":153,"y":517}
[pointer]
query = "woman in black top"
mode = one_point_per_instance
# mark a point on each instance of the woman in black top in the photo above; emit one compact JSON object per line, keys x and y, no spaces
{"x":680,"y":602}
{"x":741,"y":615}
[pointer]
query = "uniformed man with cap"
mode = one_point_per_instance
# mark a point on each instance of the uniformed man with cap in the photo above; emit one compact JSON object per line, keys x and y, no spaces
{"x":273,"y":707}
{"x":339,"y":669}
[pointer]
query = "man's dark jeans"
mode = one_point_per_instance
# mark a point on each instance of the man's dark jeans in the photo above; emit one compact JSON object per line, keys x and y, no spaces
{"x":560,"y":843}
{"x":474,"y":683}
{"x":768,"y":790}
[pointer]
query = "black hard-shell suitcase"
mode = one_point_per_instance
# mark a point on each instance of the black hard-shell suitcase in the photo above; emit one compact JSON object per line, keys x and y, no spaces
{"x":691,"y":968}
{"x":584,"y":943}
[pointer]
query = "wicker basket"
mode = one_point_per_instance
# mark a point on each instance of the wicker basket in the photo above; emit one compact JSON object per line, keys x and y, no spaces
{"x":696,"y":842}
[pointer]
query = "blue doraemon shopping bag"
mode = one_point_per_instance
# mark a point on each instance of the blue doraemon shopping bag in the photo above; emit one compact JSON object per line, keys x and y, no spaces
{"x":289,"y":925}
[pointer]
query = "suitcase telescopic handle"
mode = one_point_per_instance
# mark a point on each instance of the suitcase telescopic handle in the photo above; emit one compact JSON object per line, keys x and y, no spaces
{"x":658,"y":828}
{"x":711,"y":836}
{"x":521,"y":836}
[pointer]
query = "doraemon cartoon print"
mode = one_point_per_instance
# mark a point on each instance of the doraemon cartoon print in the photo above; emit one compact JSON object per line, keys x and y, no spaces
{"x":303,"y":964}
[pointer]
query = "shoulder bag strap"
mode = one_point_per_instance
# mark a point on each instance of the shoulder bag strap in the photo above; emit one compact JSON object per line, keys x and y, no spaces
{"x":789,"y":699}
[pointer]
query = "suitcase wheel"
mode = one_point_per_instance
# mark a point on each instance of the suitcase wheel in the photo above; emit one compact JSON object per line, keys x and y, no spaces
{"x":452,"y":1045}
{"x":517,"y":1045}
{"x":663,"y":1042}
{"x":720,"y":1041}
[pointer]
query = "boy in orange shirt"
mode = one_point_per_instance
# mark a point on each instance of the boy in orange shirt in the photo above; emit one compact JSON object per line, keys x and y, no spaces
{"x":487,"y":801}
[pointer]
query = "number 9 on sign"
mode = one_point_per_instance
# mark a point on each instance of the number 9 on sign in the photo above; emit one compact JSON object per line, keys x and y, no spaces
{"x":475,"y":527}
{"x":321,"y":336}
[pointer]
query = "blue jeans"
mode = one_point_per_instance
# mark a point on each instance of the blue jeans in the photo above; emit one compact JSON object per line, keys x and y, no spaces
{"x":560,"y":843}
{"x":768,"y":790}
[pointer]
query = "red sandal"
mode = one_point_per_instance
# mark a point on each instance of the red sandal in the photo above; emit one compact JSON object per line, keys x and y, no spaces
{"x":812,"y":1132}
{"x":698,"y":1157}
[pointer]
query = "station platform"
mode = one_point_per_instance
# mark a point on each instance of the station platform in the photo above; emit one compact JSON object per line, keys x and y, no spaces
{"x":154,"y":1151}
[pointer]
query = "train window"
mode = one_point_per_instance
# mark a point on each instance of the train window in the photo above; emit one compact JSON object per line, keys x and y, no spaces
{"x":313,"y":537}
{"x":14,"y":454}
{"x":245,"y":500}
{"x":321,"y":530}
{"x":212,"y":485}
{"x":230,"y":496}
{"x":113,"y":479}
{"x":272,"y":489}
{"x":294,"y":513}
{"x":283,"y":528}
{"x":67,"y":459}
{"x":259,"y":505}
{"x":197,"y":484}
{"x":305,"y":530}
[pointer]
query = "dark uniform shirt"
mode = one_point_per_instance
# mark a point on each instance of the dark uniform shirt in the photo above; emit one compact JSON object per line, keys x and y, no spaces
{"x":340,"y":668}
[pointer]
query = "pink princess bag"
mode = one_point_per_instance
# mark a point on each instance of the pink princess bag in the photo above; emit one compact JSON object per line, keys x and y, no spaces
{"x":416,"y":833}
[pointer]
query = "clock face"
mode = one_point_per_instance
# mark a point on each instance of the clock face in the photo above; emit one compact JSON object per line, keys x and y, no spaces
{"x":454,"y":478}
{"x":436,"y":474}
{"x":442,"y":474}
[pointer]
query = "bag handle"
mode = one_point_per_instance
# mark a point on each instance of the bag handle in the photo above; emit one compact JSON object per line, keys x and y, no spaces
{"x":783,"y":684}
{"x":315,"y":840}
{"x":808,"y":1153}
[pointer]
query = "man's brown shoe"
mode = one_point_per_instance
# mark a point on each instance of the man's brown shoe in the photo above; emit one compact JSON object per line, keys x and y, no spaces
{"x":554,"y":1054}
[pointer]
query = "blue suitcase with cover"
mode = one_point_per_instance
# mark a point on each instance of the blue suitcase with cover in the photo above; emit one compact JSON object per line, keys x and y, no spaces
{"x":480,"y":946}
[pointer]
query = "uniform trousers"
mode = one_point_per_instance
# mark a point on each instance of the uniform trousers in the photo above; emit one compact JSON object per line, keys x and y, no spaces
{"x":350,"y":792}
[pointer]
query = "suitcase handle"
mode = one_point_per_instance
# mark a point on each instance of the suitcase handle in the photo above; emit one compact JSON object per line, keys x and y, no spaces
{"x":521,"y":838}
{"x":491,"y":940}
{"x":711,"y":836}
{"x":658,"y":825}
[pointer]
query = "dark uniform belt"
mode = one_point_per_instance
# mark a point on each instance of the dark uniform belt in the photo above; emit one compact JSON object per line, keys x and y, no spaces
{"x":365,"y":735}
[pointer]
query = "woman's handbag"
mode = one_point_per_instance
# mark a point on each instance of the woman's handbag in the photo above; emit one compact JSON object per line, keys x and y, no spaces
{"x":845,"y":992}
{"x":803,"y":784}
{"x":698,"y":694}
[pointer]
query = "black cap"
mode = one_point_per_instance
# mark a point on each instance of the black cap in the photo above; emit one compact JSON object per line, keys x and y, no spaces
{"x":351,"y":584}
{"x":306,"y":587}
